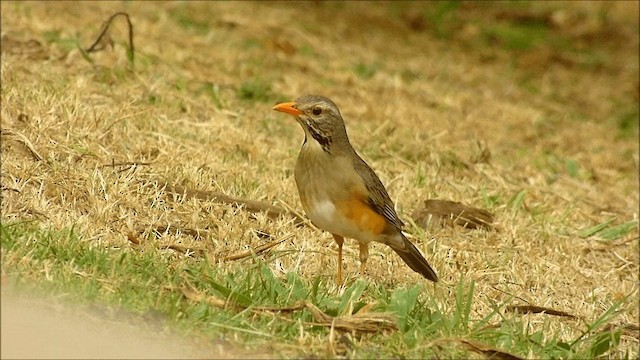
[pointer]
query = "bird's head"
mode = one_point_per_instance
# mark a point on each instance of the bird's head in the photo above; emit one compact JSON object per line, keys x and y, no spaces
{"x":319,"y":117}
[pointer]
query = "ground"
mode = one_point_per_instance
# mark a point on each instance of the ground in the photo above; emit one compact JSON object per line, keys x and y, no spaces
{"x":527,"y":110}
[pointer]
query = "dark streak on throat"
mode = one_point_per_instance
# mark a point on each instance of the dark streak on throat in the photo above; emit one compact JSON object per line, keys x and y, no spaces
{"x":324,"y":141}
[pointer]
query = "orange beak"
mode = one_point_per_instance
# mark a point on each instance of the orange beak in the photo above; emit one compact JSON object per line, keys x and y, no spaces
{"x":288,"y":107}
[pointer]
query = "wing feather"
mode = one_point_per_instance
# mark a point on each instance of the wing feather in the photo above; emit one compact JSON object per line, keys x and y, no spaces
{"x":378,"y":199}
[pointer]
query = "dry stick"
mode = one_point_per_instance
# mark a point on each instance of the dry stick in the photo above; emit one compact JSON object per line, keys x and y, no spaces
{"x":490,"y":352}
{"x":2,"y":187}
{"x":257,"y":250}
{"x":364,"y":323}
{"x":125,"y":163}
{"x":104,"y":35}
{"x":134,"y":239}
{"x":508,"y":293}
{"x":183,"y":249}
{"x":197,"y":234}
{"x":193,"y":295}
{"x":252,"y":206}
{"x":525,"y":309}
{"x":626,"y":328}
{"x":477,"y":347}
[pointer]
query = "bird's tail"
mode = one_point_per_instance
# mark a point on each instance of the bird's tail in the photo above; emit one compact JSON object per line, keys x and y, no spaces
{"x":412,"y":257}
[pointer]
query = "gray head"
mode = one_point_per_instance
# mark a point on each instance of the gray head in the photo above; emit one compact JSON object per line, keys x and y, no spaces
{"x":320,"y":119}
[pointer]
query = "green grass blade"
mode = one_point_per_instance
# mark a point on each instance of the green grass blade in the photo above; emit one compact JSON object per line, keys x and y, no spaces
{"x":402,"y":302}
{"x":595,"y":229}
{"x":618,"y":231}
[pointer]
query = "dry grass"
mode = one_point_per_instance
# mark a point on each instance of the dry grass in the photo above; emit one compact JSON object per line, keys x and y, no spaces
{"x":195,"y":113}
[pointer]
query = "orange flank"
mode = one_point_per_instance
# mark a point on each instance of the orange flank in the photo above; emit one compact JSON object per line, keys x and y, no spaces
{"x":363,"y":215}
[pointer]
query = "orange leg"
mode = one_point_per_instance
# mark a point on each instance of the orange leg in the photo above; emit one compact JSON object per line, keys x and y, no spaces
{"x":339,"y":240}
{"x":364,"y":254}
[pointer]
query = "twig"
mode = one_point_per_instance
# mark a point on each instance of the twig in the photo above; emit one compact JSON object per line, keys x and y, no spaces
{"x":478,"y":347}
{"x":369,"y":322}
{"x":2,"y":187}
{"x":257,"y":250}
{"x":488,"y":351}
{"x":126,"y":163}
{"x":526,"y":309}
{"x":197,"y":234}
{"x":183,"y":249}
{"x":252,"y":206}
{"x":134,"y":239}
{"x":104,"y":37}
{"x":508,"y":293}
{"x":626,"y":328}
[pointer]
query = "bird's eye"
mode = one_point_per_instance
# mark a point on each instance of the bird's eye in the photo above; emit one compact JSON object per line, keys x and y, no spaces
{"x":316,"y":111}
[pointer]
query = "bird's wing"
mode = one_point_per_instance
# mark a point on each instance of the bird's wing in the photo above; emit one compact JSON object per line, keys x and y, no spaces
{"x":378,"y":198}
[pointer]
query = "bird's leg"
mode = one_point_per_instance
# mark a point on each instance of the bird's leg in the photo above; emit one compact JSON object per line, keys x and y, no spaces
{"x":364,"y":254}
{"x":339,"y":240}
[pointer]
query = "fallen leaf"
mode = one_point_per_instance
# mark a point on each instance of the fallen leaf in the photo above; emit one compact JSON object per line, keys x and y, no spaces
{"x":449,"y":213}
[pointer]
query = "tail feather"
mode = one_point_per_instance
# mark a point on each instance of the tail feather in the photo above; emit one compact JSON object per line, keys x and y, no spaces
{"x":412,"y":257}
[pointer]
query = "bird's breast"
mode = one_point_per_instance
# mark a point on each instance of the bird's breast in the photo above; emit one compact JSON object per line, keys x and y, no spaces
{"x":316,"y":185}
{"x":333,"y":197}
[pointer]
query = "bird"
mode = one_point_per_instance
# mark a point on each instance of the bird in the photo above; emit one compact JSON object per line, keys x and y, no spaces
{"x":339,"y":192}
